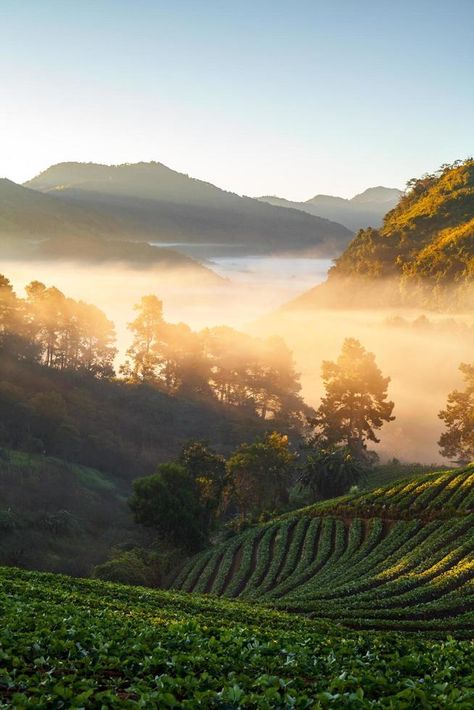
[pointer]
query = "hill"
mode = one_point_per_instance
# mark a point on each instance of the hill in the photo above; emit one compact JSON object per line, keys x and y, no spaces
{"x":363,"y":210}
{"x":423,"y":255}
{"x":118,"y":427}
{"x":82,"y":643}
{"x":59,"y":516}
{"x":153,"y":203}
{"x":400,"y":557}
{"x":39,"y":227}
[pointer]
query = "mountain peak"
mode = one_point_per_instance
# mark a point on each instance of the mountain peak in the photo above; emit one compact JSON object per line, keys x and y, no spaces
{"x":378,"y":194}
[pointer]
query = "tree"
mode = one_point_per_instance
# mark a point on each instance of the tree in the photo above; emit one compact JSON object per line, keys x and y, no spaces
{"x":328,"y":473}
{"x":169,"y":501}
{"x":457,"y":443}
{"x":355,"y":405}
{"x":69,"y":335}
{"x":208,"y":469}
{"x":259,"y":474}
{"x":8,"y":307}
{"x":147,"y":328}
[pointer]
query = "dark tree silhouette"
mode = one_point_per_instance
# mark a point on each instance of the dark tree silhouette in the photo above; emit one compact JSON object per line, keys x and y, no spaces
{"x":457,"y":442}
{"x":355,"y":405}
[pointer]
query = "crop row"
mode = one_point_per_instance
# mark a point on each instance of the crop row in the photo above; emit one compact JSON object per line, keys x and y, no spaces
{"x":340,"y":568}
{"x":83,"y":643}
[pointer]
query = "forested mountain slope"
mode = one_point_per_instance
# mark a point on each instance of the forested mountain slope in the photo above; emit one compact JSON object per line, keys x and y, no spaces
{"x":422,"y":255}
{"x":154,"y":203}
{"x":400,"y":557}
{"x":40,"y":227}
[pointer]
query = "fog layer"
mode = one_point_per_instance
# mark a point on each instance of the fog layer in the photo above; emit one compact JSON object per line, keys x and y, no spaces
{"x":422,"y":358}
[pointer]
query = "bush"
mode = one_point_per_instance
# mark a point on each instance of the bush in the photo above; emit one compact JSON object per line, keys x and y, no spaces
{"x":130,"y":567}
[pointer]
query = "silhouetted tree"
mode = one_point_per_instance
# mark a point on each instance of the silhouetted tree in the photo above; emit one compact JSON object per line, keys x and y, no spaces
{"x":355,"y":404}
{"x":457,"y":442}
{"x":144,"y":355}
{"x":69,"y":335}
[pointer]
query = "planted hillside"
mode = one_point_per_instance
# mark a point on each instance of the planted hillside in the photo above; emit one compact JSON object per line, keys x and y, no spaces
{"x":422,"y":255}
{"x":81,"y":643}
{"x":400,"y":557}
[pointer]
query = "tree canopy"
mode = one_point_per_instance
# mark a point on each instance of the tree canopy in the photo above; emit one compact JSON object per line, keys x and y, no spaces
{"x":355,"y":403}
{"x":457,"y":442}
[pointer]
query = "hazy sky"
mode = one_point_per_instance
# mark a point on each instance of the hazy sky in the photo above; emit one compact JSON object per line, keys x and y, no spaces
{"x":260,"y":97}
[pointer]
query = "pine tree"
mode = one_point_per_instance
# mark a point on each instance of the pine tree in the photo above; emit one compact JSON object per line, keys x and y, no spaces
{"x":355,"y":405}
{"x":457,"y":443}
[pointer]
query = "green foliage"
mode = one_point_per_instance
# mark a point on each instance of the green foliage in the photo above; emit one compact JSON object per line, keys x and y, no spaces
{"x":355,"y":402}
{"x":130,"y":567}
{"x":78,"y":643}
{"x":259,"y":474}
{"x":169,"y":502}
{"x":328,"y":473}
{"x":457,"y":442}
{"x":396,"y":557}
{"x":425,"y":246}
{"x":208,"y":469}
{"x":60,"y":517}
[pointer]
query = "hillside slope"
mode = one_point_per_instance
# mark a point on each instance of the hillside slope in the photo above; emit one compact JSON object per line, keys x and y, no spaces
{"x":364,"y":210}
{"x":58,"y":516}
{"x":401,"y":557}
{"x":40,"y":227}
{"x":80,"y":643}
{"x":154,"y":203}
{"x":423,"y":255}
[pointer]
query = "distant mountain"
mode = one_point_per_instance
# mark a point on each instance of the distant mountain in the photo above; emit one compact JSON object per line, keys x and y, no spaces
{"x":37,"y":226}
{"x":423,"y":255}
{"x":150,"y":202}
{"x":27,"y":214}
{"x":364,"y":210}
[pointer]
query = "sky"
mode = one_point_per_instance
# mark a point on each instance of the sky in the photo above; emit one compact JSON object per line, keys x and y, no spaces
{"x":289,"y":98}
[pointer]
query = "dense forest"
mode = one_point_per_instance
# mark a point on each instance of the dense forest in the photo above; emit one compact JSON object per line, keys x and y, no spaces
{"x":422,"y":255}
{"x":62,"y":395}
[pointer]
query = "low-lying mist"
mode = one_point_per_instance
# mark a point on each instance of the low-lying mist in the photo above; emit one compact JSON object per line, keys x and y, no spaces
{"x":421,"y":352}
{"x":421,"y":357}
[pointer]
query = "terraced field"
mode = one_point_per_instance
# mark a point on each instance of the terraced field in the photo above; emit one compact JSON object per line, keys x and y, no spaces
{"x":400,"y":557}
{"x":70,"y":643}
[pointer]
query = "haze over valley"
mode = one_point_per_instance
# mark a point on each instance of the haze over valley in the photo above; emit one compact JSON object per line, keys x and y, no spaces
{"x":237,"y":355}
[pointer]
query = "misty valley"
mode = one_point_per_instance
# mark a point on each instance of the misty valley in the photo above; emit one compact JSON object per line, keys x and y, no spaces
{"x":258,"y":429}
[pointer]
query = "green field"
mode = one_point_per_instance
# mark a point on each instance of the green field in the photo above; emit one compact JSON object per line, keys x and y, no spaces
{"x":80,"y":643}
{"x":399,"y":557}
{"x":366,"y":601}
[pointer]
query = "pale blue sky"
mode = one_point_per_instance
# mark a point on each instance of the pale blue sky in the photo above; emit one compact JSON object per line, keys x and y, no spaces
{"x":288,"y":98}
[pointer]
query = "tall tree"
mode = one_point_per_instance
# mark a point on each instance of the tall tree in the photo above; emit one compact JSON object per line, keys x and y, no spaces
{"x":457,"y":442}
{"x":70,"y":335}
{"x":8,"y":307}
{"x":355,"y":405}
{"x":144,"y":355}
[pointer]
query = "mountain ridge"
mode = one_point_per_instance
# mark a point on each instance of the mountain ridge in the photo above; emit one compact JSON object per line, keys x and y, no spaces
{"x":363,"y":210}
{"x":153,"y":202}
